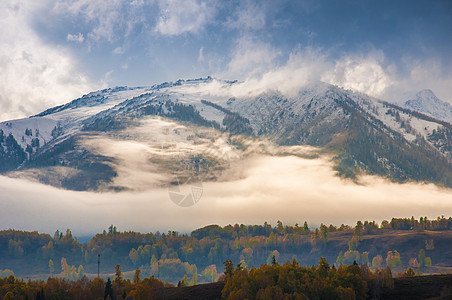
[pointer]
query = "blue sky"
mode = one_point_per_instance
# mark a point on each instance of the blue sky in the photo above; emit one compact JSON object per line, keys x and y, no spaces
{"x":52,"y":51}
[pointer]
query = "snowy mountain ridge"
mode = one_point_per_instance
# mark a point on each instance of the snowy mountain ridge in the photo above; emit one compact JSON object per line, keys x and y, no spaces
{"x":426,"y":102}
{"x":60,"y":146}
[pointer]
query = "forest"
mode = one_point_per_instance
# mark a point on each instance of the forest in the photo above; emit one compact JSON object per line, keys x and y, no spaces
{"x":402,"y":243}
{"x":269,"y":281}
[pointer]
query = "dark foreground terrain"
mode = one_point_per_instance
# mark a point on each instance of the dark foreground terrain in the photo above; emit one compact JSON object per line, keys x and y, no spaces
{"x":414,"y":288}
{"x":208,"y":291}
{"x":419,"y":287}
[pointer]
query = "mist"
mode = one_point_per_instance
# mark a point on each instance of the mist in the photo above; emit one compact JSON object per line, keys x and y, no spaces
{"x":269,"y":188}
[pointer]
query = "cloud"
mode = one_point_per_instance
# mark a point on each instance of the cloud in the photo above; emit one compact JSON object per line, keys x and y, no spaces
{"x":362,"y":74}
{"x":422,"y":74}
{"x":287,"y":188}
{"x":248,"y":16}
{"x":201,"y":54}
{"x":183,"y":16}
{"x":255,"y":65}
{"x":119,"y":50}
{"x":34,"y":76}
{"x":251,"y":57}
{"x":79,"y":38}
{"x":106,"y":21}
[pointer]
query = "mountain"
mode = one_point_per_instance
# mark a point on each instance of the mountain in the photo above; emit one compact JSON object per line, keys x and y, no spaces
{"x":426,"y":102}
{"x":195,"y":129}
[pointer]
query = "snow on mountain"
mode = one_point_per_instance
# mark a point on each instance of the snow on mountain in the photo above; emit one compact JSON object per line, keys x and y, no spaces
{"x":426,"y":102}
{"x":105,"y":137}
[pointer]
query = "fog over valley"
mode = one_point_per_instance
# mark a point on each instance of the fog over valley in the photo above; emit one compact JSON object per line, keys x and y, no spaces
{"x":290,"y":189}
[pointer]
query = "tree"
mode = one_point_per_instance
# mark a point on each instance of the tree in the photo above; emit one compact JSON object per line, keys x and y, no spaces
{"x":228,"y":269}
{"x":365,"y":258}
{"x":118,"y":273}
{"x":340,"y":258}
{"x":421,"y":257}
{"x":358,"y":229}
{"x":413,"y":263}
{"x":194,"y":279}
{"x":323,"y":232}
{"x":184,"y":281}
{"x":210,"y":273}
{"x":51,"y":268}
{"x":393,"y":259}
{"x":324,"y":267}
{"x":108,"y":289}
{"x":377,"y":261}
{"x":305,"y":226}
{"x":273,"y":260}
{"x":428,"y":262}
{"x":134,"y":257}
{"x":136,"y":276}
{"x":273,"y":257}
{"x":351,"y":256}
{"x":80,"y":272}
{"x":409,"y":273}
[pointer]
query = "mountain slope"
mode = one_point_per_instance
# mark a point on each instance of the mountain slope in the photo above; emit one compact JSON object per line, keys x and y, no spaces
{"x":195,"y":128}
{"x":426,"y":102}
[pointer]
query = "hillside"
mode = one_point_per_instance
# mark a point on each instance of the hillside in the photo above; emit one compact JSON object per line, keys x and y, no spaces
{"x":172,"y":255}
{"x":196,"y":128}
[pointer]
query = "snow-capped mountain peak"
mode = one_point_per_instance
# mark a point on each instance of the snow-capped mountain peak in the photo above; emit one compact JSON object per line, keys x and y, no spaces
{"x":66,"y":143}
{"x":425,"y":101}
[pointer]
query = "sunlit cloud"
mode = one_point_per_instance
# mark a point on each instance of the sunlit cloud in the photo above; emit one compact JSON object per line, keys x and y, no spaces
{"x":251,"y":58}
{"x":361,"y":74}
{"x":34,"y":76}
{"x":269,"y":188}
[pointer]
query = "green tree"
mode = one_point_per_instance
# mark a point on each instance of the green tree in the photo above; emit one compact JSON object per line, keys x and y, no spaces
{"x":210,"y":273}
{"x":134,"y":256}
{"x":80,"y":272}
{"x":51,"y":268}
{"x":323,"y":232}
{"x":359,"y":229}
{"x":421,"y":257}
{"x":340,"y":258}
{"x":428,"y":262}
{"x":365,"y":258}
{"x":194,"y":279}
{"x":377,"y":261}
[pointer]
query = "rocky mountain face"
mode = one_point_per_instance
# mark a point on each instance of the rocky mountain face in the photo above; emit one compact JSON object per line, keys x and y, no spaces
{"x":426,"y":102}
{"x":195,"y":127}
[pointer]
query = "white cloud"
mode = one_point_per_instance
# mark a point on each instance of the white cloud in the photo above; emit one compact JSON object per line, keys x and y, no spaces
{"x":201,"y":54}
{"x":248,"y":16}
{"x":34,"y":76}
{"x":79,"y":38}
{"x":183,"y":16}
{"x":108,"y":20}
{"x":271,"y":188}
{"x":362,"y":74}
{"x":119,"y":50}
{"x":422,"y":74}
{"x":255,"y":64}
{"x":250,"y":58}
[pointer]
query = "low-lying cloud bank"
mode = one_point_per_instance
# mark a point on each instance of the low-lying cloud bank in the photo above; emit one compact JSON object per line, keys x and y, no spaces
{"x":290,"y":189}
